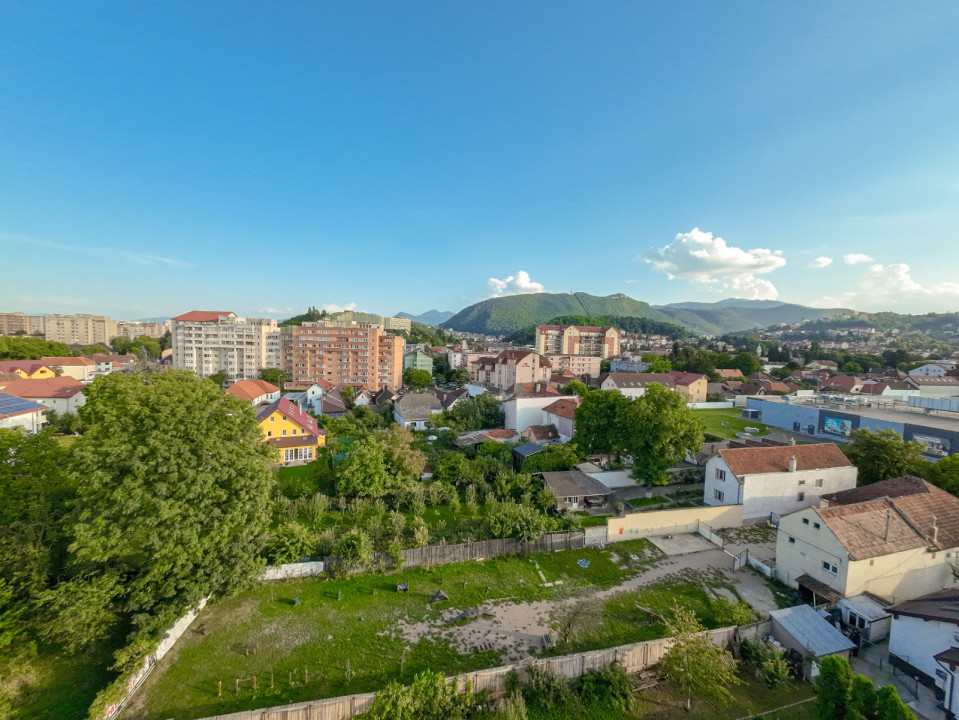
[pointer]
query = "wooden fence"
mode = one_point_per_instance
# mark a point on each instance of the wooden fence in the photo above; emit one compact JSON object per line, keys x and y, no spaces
{"x":634,"y":658}
{"x":464,"y":552}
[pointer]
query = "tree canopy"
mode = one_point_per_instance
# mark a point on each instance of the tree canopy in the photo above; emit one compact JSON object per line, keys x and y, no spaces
{"x":175,"y":489}
{"x":883,"y":454}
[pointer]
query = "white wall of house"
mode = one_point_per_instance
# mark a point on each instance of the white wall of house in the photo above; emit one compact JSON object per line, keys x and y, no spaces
{"x":803,"y":548}
{"x":62,"y":405}
{"x":916,"y":641}
{"x":780,"y":492}
{"x":564,"y":426}
{"x":31,"y":422}
{"x":608,"y":384}
{"x":417,"y":423}
{"x":523,"y":412}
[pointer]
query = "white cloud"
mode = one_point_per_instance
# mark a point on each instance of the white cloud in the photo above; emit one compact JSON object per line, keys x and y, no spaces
{"x":518,"y":284}
{"x":106,"y":253}
{"x":857,"y":258}
{"x":699,"y":257}
{"x":892,"y":287}
{"x":270,"y":310}
{"x":821,"y":262}
{"x":334,"y":308}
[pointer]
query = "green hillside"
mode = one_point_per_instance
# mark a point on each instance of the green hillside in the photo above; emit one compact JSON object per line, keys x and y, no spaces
{"x":636,"y":325}
{"x":504,"y":315}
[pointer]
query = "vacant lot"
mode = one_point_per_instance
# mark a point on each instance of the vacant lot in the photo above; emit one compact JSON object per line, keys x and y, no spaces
{"x":355,"y":635}
{"x":714,"y":420}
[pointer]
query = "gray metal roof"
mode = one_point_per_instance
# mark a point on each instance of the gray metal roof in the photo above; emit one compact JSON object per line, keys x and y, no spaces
{"x":865,"y":607}
{"x":527,"y":449}
{"x":573,"y":483}
{"x":811,"y":630}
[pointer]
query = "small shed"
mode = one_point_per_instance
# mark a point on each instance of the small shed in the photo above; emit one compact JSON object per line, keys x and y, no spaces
{"x":574,"y":489}
{"x":806,"y":632}
{"x":867,"y":616}
{"x":524,"y":451}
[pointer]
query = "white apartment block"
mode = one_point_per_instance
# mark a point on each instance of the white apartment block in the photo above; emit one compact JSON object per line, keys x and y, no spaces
{"x":79,"y":329}
{"x":209,"y":342}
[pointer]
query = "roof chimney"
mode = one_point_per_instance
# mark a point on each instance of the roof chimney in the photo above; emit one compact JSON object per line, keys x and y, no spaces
{"x":935,"y":530}
{"x":792,"y":464}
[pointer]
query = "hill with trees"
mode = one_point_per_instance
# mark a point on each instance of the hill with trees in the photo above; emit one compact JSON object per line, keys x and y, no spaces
{"x":634,"y":325}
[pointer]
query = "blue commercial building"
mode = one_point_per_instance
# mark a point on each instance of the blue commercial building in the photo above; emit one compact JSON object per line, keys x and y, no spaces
{"x":940,"y":435}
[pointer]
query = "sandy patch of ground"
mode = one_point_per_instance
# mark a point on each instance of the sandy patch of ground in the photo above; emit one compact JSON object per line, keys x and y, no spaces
{"x":516,"y":630}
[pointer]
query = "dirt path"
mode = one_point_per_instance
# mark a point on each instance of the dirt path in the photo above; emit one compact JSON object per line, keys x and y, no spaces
{"x":515,"y":630}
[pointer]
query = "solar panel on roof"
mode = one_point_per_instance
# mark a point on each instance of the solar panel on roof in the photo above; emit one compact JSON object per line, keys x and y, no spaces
{"x":10,"y":405}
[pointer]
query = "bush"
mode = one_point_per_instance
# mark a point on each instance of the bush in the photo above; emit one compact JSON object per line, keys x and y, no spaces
{"x":547,"y":691}
{"x":609,"y":686}
{"x":290,"y":542}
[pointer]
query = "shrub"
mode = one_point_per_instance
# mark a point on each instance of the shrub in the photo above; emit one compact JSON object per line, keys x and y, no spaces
{"x":547,"y":691}
{"x":289,"y":542}
{"x":609,"y":686}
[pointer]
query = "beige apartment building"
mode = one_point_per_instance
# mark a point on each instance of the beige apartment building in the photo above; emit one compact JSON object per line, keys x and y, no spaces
{"x":349,"y":353}
{"x":387,"y":323}
{"x":136,"y":329}
{"x":209,"y":342}
{"x":577,"y":364}
{"x":601,"y":342}
{"x":18,"y":323}
{"x":79,"y":329}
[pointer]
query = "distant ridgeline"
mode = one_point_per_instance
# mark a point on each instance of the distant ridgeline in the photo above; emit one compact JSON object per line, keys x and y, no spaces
{"x":633,"y":325}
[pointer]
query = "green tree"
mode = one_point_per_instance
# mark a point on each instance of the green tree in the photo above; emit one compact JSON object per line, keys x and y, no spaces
{"x":657,"y":363}
{"x":862,"y":703}
{"x":146,"y":347}
{"x":363,"y":471}
{"x":693,"y":664}
{"x":661,"y":429}
{"x":274,"y":376}
{"x":403,"y":462}
{"x":348,"y":393}
{"x":832,"y":688}
{"x":944,"y":473}
{"x":96,"y":348}
{"x":121,"y":344}
{"x":218,"y":378}
{"x":417,"y":378}
{"x":851,"y":368}
{"x":574,"y":387}
{"x":354,"y":551}
{"x":889,"y":706}
{"x":175,"y":491}
{"x":601,"y":423}
{"x":289,"y":542}
{"x":551,"y":458}
{"x":459,"y":375}
{"x":883,"y":454}
{"x":514,"y":520}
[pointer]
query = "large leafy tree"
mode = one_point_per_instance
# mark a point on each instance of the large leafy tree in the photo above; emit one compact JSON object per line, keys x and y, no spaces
{"x":660,"y":430}
{"x":693,"y":664}
{"x":883,"y":454}
{"x":944,"y":474}
{"x":833,"y":686}
{"x":601,"y":423}
{"x":174,"y":491}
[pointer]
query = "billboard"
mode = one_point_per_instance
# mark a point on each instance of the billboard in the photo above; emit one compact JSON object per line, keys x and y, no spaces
{"x":935,"y":446}
{"x":837,"y":426}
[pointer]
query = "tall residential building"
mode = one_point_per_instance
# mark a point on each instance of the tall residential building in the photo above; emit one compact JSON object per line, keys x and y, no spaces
{"x":18,"y":323}
{"x":387,"y":323}
{"x":209,"y":342}
{"x":602,"y":342}
{"x":79,"y":329}
{"x":136,"y":329}
{"x":350,"y":353}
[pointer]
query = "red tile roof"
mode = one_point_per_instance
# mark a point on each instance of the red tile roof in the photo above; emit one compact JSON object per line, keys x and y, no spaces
{"x":47,"y":388}
{"x":67,"y":361}
{"x":203,"y":315}
{"x":565,"y":408}
{"x":291,"y":412}
{"x":751,"y":461}
{"x":684,"y":378}
{"x":251,"y":389}
{"x":528,"y":390}
{"x":27,"y":366}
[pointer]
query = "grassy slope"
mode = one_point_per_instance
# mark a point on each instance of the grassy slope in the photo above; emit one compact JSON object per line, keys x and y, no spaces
{"x":733,"y":416}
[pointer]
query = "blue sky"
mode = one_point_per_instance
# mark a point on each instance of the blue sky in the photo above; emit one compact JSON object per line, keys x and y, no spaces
{"x":262,"y":157}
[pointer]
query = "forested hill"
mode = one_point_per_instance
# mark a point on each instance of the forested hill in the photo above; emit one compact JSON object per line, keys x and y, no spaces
{"x":635,"y":325}
{"x":504,"y":315}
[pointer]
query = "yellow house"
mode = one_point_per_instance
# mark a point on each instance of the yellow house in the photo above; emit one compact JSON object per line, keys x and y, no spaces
{"x":294,"y":434}
{"x":27,"y":369}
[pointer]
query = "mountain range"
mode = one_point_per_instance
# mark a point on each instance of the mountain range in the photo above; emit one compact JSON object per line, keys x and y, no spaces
{"x":430,"y":317}
{"x":504,"y":315}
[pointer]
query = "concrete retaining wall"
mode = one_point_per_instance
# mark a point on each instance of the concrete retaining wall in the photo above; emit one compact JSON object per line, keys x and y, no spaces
{"x":678,"y":520}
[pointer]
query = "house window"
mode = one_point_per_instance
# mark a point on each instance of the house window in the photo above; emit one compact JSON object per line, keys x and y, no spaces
{"x":819,"y":482}
{"x":801,"y":496}
{"x":269,"y":433}
{"x":284,"y":433}
{"x":829,"y":568}
{"x":272,"y":418}
{"x":805,"y":521}
{"x":792,"y":540}
{"x":816,"y":525}
{"x":802,"y":482}
{"x":720,"y":474}
{"x":718,"y":495}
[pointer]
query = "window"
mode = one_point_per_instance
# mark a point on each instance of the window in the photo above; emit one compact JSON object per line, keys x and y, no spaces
{"x":802,"y":482}
{"x":720,"y":474}
{"x":269,"y":433}
{"x":272,"y":418}
{"x":819,"y":482}
{"x":718,"y":495}
{"x":792,"y":540}
{"x":800,"y":497}
{"x":829,"y":568}
{"x":856,"y":621}
{"x":816,"y":525}
{"x":284,"y":433}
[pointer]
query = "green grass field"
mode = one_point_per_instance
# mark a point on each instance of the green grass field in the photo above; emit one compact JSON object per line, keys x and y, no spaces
{"x":353,"y":621}
{"x":735,"y":422}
